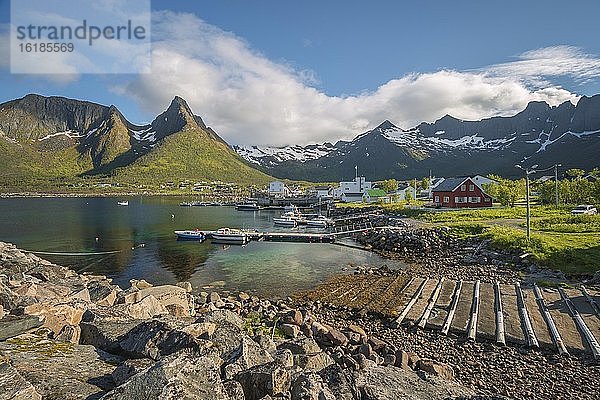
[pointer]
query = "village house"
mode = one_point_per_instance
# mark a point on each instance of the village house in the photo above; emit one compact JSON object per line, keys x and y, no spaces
{"x":352,"y":191}
{"x":403,"y":193}
{"x":323,"y":191}
{"x":375,"y":196}
{"x":460,"y":193}
{"x":278,"y":189}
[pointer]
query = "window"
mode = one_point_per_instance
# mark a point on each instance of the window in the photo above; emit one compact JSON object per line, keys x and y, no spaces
{"x":474,"y":199}
{"x":446,"y":199}
{"x":436,"y":199}
{"x":463,"y":188}
{"x":460,"y":200}
{"x":471,"y":188}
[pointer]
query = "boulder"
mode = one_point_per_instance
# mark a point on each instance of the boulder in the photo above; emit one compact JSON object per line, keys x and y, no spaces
{"x":13,"y":386}
{"x":13,"y":325}
{"x":247,"y":355}
{"x":267,"y":379}
{"x":102,"y":293}
{"x":60,"y":370}
{"x":129,"y":368}
{"x":179,"y":376}
{"x":435,"y":368}
{"x":310,"y":386}
{"x":169,"y":295}
{"x":290,"y":330}
{"x":55,"y":317}
{"x":228,"y":333}
{"x":203,"y":330}
{"x":105,"y":334}
{"x":307,"y":354}
{"x":146,"y":308}
{"x":156,"y":339}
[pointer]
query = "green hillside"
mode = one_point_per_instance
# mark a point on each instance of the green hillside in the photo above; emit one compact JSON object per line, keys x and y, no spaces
{"x":190,"y":154}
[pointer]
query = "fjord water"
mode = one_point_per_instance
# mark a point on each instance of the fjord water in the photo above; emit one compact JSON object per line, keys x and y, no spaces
{"x":145,"y":247}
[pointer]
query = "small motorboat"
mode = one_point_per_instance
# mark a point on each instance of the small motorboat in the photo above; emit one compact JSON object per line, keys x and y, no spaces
{"x":190,"y":235}
{"x":319,"y":222}
{"x":247,"y":207}
{"x":229,"y":236}
{"x":123,"y":203}
{"x":285,"y":221}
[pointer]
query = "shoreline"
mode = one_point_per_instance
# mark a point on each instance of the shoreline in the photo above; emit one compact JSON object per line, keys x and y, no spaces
{"x":9,"y":195}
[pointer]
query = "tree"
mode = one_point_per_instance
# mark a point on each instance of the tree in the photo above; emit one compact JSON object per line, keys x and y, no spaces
{"x":409,"y":196}
{"x":425,"y":183}
{"x":389,"y":185}
{"x":575,"y":173}
{"x":506,"y":191}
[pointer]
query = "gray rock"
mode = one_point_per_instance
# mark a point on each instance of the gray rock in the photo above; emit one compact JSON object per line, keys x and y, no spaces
{"x":11,"y":326}
{"x":129,"y":368}
{"x":307,"y":354}
{"x":267,"y":379}
{"x":247,"y":355}
{"x":61,"y":370}
{"x":179,"y":376}
{"x":156,"y":339}
{"x":13,"y":386}
{"x":106,"y":334}
{"x":310,"y":387}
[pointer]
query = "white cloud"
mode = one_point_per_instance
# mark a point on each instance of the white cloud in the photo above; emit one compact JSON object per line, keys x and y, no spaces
{"x":249,"y":99}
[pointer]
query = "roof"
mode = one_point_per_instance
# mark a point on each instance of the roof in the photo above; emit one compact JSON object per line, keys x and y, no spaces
{"x":321,"y":187}
{"x":376,"y":193}
{"x":449,"y":184}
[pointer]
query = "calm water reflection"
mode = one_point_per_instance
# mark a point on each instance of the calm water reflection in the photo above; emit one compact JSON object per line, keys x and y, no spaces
{"x":142,"y":235}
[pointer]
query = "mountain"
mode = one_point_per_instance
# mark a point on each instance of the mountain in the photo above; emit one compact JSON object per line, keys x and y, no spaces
{"x":54,"y":139}
{"x":540,"y":134}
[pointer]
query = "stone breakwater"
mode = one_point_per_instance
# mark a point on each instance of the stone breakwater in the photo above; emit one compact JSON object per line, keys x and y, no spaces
{"x":69,"y":336}
{"x":433,"y":253}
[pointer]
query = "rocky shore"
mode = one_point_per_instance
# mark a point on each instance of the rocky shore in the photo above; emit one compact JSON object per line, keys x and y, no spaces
{"x":70,"y":336}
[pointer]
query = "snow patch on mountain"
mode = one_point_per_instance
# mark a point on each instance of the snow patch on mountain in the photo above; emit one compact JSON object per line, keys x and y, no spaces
{"x":255,"y":154}
{"x":70,"y":134}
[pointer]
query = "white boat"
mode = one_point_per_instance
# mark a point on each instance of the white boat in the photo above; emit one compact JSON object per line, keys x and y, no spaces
{"x":247,"y":207}
{"x":190,"y":235}
{"x":229,"y":235}
{"x":123,"y":203}
{"x":319,"y":222}
{"x":285,"y":221}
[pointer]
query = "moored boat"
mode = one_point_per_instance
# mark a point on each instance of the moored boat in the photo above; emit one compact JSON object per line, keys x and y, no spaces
{"x":285,"y":221}
{"x":123,"y":203}
{"x":190,"y":235}
{"x":319,"y":222}
{"x":247,"y":207}
{"x":229,"y":235}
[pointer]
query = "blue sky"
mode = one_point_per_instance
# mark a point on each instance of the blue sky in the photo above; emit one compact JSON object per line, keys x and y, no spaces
{"x":280,"y":72}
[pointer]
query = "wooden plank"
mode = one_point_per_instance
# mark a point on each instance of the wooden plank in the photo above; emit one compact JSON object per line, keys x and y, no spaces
{"x":417,"y":309}
{"x":462,"y":315}
{"x":404,"y":297}
{"x":537,"y":320}
{"x":574,"y":300}
{"x":500,"y":337}
{"x":452,"y":308}
{"x":431,"y":304}
{"x":530,"y":337}
{"x":472,"y":328}
{"x":486,"y":320}
{"x":512,"y":322}
{"x":415,"y":297}
{"x":564,"y":323}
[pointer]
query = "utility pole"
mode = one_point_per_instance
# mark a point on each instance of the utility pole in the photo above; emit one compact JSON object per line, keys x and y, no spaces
{"x":528,"y":205}
{"x":556,"y":182}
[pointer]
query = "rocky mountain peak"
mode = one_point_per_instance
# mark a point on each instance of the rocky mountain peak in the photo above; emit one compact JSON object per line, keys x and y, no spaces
{"x":386,"y":125}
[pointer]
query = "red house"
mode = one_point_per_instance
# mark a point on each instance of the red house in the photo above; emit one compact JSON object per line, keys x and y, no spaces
{"x":459,"y":193}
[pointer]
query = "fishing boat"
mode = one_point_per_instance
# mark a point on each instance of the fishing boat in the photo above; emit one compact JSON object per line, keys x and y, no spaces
{"x":319,"y":222}
{"x":247,"y":207}
{"x":123,"y":203}
{"x":190,"y":235}
{"x":230,"y":236}
{"x":285,"y":221}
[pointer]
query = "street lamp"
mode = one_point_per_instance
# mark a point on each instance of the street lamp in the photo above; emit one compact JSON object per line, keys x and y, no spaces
{"x":528,"y":171}
{"x":556,"y":182}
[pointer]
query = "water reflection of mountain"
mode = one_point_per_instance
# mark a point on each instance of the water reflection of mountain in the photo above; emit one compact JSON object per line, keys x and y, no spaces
{"x":182,"y":258}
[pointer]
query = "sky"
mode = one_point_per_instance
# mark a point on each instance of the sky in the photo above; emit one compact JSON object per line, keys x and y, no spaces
{"x":275,"y":72}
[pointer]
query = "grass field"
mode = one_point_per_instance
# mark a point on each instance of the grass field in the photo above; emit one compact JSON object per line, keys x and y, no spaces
{"x":559,"y":240}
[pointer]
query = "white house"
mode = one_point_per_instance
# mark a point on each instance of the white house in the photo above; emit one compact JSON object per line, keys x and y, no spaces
{"x":278,"y":189}
{"x":403,"y":192}
{"x":480,"y":180}
{"x":323,"y":191}
{"x":352,"y":191}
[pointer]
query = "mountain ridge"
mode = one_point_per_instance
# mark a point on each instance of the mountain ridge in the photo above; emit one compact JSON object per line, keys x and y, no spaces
{"x":450,"y":146}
